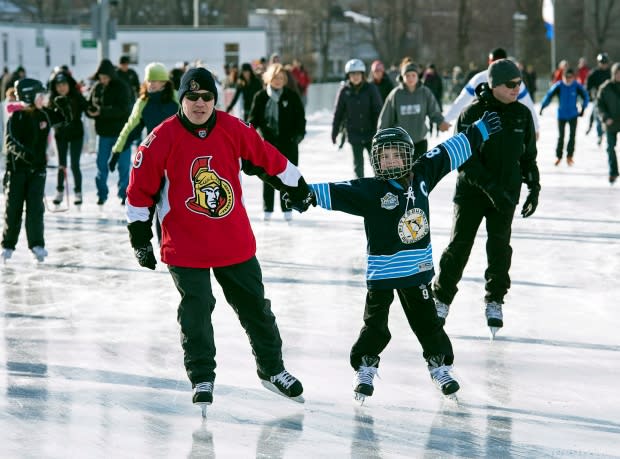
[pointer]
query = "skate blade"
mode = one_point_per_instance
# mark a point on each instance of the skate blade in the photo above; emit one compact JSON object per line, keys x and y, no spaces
{"x":360,"y":398}
{"x":451,"y":398}
{"x":492,"y":332}
{"x":203,"y":407}
{"x":274,"y":389}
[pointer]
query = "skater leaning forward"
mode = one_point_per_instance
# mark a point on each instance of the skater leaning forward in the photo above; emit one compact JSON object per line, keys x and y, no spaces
{"x":194,"y":159}
{"x":395,"y":208}
{"x":489,"y":189}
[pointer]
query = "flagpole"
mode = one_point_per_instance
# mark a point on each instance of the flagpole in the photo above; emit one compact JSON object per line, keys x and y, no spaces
{"x":553,"y":57}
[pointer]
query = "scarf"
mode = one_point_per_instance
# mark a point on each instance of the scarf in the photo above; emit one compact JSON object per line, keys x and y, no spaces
{"x":272,"y":113}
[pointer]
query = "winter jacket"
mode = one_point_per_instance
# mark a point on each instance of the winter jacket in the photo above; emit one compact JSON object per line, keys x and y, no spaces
{"x":384,"y":86}
{"x":291,"y":119}
{"x":409,"y":109}
{"x":248,"y":90}
{"x":357,"y":109}
{"x":146,"y":113}
{"x":507,"y":159}
{"x":567,"y":94}
{"x":608,"y":102}
{"x":113,"y":102}
{"x":74,"y":129}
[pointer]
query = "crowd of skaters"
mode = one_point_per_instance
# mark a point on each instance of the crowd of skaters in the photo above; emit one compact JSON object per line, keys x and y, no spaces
{"x":369,"y":106}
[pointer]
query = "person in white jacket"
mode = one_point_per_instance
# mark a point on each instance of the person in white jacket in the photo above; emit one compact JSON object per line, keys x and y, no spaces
{"x":467,"y":94}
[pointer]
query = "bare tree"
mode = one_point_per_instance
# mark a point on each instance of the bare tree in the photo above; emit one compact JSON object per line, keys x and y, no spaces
{"x":603,"y":16}
{"x":462,"y":29}
{"x":392,"y":28}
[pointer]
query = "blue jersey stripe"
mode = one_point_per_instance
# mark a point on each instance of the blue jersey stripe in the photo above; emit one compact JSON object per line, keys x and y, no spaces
{"x":401,"y":264}
{"x":458,"y":149}
{"x":321,"y":191}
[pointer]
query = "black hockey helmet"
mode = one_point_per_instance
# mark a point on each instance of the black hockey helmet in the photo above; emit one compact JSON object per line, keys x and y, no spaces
{"x":602,"y":58}
{"x":27,"y":90}
{"x":394,"y":140}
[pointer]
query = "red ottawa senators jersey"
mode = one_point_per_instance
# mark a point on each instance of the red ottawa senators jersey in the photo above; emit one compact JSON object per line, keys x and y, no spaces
{"x":203,"y":219}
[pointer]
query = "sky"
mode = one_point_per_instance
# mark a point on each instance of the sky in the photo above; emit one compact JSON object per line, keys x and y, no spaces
{"x":91,"y":364}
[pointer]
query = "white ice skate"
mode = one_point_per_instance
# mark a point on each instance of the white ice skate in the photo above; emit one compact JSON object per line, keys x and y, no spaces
{"x":495,"y":317}
{"x":284,"y":384}
{"x":77,"y":201}
{"x":442,"y":310}
{"x":362,"y":381}
{"x":203,"y":396}
{"x":39,"y":253}
{"x":6,"y":254}
{"x":440,"y":374}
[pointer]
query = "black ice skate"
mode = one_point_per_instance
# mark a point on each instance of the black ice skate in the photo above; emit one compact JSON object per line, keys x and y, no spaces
{"x":495,"y":318}
{"x":203,"y":396}
{"x":284,"y":384}
{"x":440,"y":374}
{"x":362,"y":382}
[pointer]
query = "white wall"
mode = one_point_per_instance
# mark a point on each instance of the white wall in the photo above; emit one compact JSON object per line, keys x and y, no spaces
{"x":167,"y":45}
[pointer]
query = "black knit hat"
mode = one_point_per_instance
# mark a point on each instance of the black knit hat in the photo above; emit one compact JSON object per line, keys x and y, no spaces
{"x":196,"y":79}
{"x":501,"y":71}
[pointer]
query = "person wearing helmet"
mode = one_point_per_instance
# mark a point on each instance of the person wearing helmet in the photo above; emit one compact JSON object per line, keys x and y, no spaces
{"x":356,"y":112}
{"x":395,"y":207}
{"x":596,"y":78}
{"x":26,"y":138}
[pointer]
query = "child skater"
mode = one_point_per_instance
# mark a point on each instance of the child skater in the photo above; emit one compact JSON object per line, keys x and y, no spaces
{"x":24,"y":179}
{"x":395,"y":208}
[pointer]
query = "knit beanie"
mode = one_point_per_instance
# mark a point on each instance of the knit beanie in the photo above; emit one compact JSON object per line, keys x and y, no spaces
{"x":410,"y":67}
{"x":196,"y":79}
{"x":502,"y":71}
{"x":156,"y":71}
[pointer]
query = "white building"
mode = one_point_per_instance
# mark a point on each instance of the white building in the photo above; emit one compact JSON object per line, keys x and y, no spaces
{"x":41,"y":47}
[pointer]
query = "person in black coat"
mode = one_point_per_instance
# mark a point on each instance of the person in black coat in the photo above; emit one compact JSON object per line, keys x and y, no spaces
{"x":278,"y":113}
{"x":356,"y":112}
{"x":488,"y":187}
{"x":247,"y":87}
{"x":70,"y":137}
{"x":109,"y":104}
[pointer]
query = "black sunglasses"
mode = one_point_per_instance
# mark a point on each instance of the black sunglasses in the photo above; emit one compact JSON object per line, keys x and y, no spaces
{"x":512,"y":84}
{"x":194,"y":96}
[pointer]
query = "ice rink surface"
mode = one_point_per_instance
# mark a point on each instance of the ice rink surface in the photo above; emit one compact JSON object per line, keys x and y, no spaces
{"x":91,"y":364}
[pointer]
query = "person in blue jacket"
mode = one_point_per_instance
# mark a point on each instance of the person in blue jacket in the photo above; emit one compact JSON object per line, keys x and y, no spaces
{"x":567,"y":90}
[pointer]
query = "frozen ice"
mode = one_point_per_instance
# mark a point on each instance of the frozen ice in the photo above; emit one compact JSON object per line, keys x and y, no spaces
{"x":91,"y":365}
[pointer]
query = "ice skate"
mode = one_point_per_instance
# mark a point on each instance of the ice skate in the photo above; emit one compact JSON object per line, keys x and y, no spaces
{"x":570,"y":161}
{"x":6,"y":254}
{"x":362,"y":381}
{"x":39,"y":253}
{"x":77,"y":200}
{"x":267,"y":216}
{"x":58,"y":198}
{"x":284,"y":384}
{"x":442,"y":310}
{"x":495,"y":318}
{"x":203,"y":396}
{"x":288,"y":216}
{"x":440,"y":374}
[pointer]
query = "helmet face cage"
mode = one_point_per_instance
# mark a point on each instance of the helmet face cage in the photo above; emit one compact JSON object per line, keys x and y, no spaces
{"x":392,"y":159}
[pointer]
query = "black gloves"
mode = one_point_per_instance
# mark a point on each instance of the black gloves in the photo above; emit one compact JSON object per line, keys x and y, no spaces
{"x":113,"y":161}
{"x":334,"y":137}
{"x":299,"y":197}
{"x":140,"y":235}
{"x":499,"y":197}
{"x":540,"y":112}
{"x":531,"y":202}
{"x":581,"y":112}
{"x":489,"y":124}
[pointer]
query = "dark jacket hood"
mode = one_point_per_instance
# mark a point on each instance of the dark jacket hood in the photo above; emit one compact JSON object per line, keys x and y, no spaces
{"x":106,"y":67}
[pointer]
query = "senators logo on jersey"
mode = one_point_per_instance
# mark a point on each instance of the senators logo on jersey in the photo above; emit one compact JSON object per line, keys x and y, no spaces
{"x":213,"y":195}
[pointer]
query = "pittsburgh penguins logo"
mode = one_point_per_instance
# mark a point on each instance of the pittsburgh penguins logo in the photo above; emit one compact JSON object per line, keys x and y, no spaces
{"x":213,"y":195}
{"x":413,"y":226}
{"x":194,"y":85}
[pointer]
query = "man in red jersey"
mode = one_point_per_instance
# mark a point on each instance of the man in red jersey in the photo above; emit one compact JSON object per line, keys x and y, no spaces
{"x":192,"y":161}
